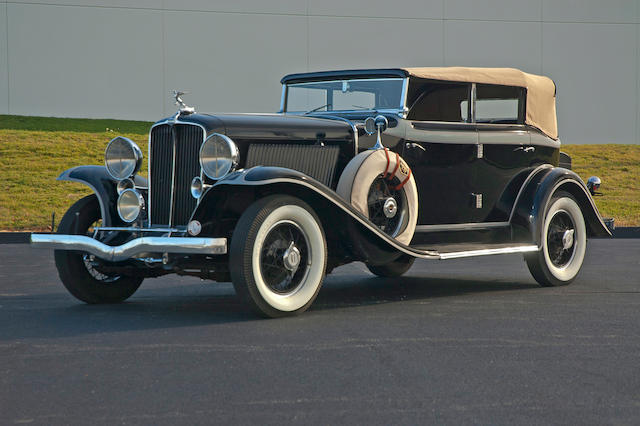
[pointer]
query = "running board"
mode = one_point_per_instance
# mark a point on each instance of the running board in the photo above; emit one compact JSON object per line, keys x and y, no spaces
{"x":489,"y":251}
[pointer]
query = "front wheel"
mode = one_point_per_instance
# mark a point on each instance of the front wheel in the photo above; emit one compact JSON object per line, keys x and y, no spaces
{"x":76,"y":270}
{"x":278,"y":256}
{"x":564,"y":242}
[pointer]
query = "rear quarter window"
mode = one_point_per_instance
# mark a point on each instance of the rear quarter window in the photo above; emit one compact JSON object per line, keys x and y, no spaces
{"x":499,"y":104}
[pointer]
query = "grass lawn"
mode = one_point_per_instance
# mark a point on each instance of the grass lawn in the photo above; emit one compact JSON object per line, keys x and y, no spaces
{"x":34,"y":151}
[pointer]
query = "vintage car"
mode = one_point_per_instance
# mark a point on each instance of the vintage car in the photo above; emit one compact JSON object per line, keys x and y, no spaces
{"x":380,"y":166}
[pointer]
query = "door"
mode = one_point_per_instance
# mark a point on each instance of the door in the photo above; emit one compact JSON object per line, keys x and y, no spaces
{"x":441,"y":149}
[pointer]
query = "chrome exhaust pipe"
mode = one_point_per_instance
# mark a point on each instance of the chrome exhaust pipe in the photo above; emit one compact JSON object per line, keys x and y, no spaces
{"x":186,"y":245}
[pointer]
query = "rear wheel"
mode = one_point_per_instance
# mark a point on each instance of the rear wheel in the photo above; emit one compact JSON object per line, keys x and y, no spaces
{"x":564,"y":242}
{"x":278,"y":256}
{"x":83,"y":280}
{"x":393,"y":269}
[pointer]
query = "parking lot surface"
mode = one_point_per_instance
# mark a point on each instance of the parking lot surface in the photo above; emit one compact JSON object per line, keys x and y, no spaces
{"x":460,"y":341}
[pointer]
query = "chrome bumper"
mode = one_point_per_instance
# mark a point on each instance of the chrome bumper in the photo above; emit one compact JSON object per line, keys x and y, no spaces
{"x":132,"y":248}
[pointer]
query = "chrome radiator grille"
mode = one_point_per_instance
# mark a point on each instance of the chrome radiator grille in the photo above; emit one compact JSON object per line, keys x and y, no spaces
{"x":171,"y":171}
{"x":317,"y":161}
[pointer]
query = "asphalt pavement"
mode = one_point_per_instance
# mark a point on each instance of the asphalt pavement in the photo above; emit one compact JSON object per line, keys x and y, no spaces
{"x":453,"y":342}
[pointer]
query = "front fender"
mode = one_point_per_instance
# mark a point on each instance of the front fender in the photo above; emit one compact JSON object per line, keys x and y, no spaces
{"x":531,"y":205}
{"x":103,"y":185}
{"x":222,"y":205}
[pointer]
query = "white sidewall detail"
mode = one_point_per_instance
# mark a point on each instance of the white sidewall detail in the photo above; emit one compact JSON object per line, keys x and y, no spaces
{"x":307,"y":289}
{"x":569,"y":271}
{"x":356,"y":180}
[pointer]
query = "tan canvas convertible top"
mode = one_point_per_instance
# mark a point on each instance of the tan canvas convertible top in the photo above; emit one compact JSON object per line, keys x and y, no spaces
{"x":541,"y":91}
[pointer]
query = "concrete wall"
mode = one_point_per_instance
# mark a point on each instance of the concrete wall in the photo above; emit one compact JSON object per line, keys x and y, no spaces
{"x":121,"y":58}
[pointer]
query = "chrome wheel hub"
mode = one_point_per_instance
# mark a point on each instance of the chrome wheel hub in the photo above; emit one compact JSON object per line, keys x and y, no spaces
{"x":567,"y":239}
{"x":291,"y":258}
{"x":390,"y":207}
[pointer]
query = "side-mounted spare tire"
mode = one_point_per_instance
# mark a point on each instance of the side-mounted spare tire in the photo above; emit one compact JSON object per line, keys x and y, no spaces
{"x":380,"y":185}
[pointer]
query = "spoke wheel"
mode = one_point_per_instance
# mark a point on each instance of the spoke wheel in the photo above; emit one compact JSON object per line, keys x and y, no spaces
{"x":561,"y":238}
{"x":77,"y":270}
{"x":278,"y":256}
{"x":387,"y":206}
{"x":563,"y":243}
{"x":284,"y":257}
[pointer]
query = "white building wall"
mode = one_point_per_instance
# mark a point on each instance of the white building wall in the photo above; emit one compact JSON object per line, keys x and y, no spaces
{"x":121,"y":58}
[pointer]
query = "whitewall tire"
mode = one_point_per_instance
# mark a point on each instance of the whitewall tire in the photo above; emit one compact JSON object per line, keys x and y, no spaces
{"x":278,"y":256}
{"x":563,"y":243}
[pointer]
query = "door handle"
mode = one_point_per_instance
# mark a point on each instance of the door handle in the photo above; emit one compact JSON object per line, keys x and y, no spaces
{"x":527,"y":149}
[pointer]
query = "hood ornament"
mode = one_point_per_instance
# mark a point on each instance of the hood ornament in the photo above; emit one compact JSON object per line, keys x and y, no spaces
{"x":182,"y":107}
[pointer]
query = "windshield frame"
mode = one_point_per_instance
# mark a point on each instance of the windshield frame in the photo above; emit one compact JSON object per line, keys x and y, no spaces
{"x":401,"y":111}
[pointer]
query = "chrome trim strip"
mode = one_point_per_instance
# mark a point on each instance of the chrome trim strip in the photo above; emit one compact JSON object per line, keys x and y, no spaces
{"x":174,"y":142}
{"x":461,"y":226}
{"x":486,"y":252}
{"x":283,"y":96}
{"x":160,"y":123}
{"x":350,"y":123}
{"x":131,"y":248}
{"x":392,"y":111}
{"x":136,"y":229}
{"x":473,"y":102}
{"x":405,"y":93}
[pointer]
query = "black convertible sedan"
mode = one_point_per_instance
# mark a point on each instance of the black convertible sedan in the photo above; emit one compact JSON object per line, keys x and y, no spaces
{"x":381,"y":166}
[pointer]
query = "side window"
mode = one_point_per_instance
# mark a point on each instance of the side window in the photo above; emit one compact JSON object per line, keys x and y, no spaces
{"x":441,"y":102}
{"x":499,"y":104}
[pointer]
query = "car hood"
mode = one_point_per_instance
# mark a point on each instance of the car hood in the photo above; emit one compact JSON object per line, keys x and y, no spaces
{"x":273,"y":126}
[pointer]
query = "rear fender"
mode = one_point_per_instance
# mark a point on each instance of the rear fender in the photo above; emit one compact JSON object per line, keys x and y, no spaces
{"x":104,"y":186}
{"x":531,"y":205}
{"x":350,"y":235}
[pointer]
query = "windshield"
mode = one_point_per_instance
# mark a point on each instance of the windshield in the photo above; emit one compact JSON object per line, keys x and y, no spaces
{"x":345,"y":95}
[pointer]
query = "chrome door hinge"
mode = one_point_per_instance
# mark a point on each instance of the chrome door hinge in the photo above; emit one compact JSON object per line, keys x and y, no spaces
{"x":476,"y":200}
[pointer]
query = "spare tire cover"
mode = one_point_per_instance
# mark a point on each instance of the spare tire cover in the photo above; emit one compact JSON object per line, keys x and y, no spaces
{"x":364,"y":169}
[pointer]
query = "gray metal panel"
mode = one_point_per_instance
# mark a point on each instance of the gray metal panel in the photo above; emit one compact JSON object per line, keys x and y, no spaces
{"x":63,"y":63}
{"x":285,"y":7}
{"x":4,"y":70}
{"x":378,"y":8}
{"x":609,"y":11}
{"x":596,"y":82}
{"x":127,"y":4}
{"x":493,"y":44}
{"x":232,"y":62}
{"x":342,"y":43}
{"x":120,"y":58}
{"x":492,"y":10}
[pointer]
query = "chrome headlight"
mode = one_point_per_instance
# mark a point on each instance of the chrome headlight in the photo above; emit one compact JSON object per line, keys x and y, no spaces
{"x":130,"y":204}
{"x":218,"y":156}
{"x":122,"y":157}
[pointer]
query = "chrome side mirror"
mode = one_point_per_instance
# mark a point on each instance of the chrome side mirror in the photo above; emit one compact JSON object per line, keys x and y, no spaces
{"x":380,"y":123}
{"x":370,"y":125}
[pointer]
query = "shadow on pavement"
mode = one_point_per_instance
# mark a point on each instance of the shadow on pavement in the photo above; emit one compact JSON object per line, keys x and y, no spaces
{"x":53,"y":315}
